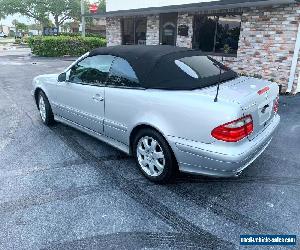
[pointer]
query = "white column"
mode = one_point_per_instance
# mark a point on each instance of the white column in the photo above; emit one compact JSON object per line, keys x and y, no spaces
{"x":294,"y":62}
{"x":82,"y":18}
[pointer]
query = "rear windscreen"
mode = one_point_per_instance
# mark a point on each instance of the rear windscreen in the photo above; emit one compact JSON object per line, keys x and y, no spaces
{"x":207,"y":70}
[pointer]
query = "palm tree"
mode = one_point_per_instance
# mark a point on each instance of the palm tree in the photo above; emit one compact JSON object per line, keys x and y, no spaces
{"x":2,"y":16}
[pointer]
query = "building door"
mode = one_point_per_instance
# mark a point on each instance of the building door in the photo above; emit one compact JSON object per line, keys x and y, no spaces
{"x":168,"y":28}
{"x":204,"y":33}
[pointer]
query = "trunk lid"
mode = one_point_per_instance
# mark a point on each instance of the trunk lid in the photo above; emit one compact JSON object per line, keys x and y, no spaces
{"x":255,"y":96}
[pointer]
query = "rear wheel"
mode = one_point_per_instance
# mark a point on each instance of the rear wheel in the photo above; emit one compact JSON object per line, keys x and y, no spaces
{"x":154,"y":156}
{"x":45,"y":109}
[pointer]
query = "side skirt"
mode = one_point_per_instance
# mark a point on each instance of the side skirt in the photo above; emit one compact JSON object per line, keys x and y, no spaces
{"x":110,"y":141}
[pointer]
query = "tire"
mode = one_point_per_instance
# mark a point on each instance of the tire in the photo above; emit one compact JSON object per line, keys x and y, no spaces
{"x":154,"y":156}
{"x":44,"y":107}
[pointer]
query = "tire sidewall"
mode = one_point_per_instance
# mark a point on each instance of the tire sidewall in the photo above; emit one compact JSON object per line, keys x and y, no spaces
{"x":49,"y":115}
{"x":170,"y":164}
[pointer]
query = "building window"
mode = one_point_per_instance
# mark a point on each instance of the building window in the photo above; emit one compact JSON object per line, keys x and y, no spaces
{"x":168,"y":28}
{"x":134,"y":30}
{"x":217,"y":34}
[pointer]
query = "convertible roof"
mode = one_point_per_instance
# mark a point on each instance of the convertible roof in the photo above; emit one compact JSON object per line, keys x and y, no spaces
{"x":155,"y":65}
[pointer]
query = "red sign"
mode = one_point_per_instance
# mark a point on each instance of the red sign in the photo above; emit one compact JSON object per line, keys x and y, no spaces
{"x":93,"y":8}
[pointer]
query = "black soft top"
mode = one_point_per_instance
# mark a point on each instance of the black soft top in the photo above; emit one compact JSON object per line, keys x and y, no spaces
{"x":155,"y":65}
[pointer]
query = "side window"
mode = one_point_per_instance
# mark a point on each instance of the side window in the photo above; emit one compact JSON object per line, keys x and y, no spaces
{"x":91,"y":70}
{"x":122,"y":74}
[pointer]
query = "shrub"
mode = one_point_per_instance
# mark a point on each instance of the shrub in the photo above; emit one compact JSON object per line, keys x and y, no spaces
{"x":55,"y":46}
{"x":79,"y":34}
{"x":18,"y":41}
{"x":25,"y":39}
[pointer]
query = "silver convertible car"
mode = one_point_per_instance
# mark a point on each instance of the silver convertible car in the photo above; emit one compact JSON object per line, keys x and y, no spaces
{"x":171,"y":108}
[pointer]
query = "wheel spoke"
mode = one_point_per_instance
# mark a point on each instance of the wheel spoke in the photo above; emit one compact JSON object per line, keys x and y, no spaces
{"x":153,"y":145}
{"x":159,"y":166}
{"x":146,"y":143}
{"x":158,"y":155}
{"x":151,"y":168}
{"x":144,"y":162}
{"x":141,"y":150}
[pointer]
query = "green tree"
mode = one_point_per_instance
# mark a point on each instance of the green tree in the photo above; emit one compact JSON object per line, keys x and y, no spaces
{"x":102,"y":6}
{"x":63,"y":10}
{"x":36,"y":26}
{"x":2,"y":15}
{"x":20,"y":26}
{"x":67,"y":26}
{"x":39,"y":10}
{"x":31,"y":8}
{"x":2,"y":12}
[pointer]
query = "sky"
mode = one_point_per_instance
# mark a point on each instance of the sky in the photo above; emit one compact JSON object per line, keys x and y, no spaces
{"x":8,"y":20}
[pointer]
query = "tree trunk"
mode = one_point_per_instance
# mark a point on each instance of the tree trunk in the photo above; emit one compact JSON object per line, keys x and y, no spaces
{"x":42,"y":27}
{"x":56,"y":20}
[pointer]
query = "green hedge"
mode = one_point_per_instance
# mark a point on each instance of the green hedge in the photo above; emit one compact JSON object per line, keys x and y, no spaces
{"x":79,"y":34}
{"x":55,"y":46}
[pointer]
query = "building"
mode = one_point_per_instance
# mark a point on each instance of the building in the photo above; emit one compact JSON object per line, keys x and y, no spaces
{"x":5,"y":29}
{"x":98,"y":26}
{"x":255,"y":37}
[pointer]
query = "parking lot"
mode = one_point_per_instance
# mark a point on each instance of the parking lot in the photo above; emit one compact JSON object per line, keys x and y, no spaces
{"x":62,"y":189}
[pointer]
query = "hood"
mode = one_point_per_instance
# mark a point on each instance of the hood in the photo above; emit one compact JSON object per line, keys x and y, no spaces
{"x":47,"y":78}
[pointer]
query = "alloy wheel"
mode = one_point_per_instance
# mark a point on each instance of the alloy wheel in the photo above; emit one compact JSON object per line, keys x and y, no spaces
{"x":150,"y":156}
{"x":42,"y":108}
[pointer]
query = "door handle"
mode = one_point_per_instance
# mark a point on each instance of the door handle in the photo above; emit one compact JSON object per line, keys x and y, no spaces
{"x":98,"y":98}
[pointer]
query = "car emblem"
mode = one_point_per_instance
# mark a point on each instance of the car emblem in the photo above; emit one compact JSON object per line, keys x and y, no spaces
{"x":265,"y":108}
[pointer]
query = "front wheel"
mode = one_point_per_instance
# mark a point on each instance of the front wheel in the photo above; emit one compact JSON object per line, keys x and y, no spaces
{"x":154,"y":156}
{"x":45,"y":109}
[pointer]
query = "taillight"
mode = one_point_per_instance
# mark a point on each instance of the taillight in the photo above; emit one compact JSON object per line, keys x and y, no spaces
{"x":234,"y":131}
{"x":276,"y":105}
{"x":264,"y":90}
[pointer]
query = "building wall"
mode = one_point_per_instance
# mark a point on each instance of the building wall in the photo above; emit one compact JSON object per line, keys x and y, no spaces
{"x":185,"y":19}
{"x":113,"y":31}
{"x":152,"y":35}
{"x":115,"y":5}
{"x":5,"y":29}
{"x":266,"y":44}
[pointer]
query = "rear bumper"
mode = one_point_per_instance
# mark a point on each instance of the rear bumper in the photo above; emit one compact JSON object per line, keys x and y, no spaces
{"x":221,"y":159}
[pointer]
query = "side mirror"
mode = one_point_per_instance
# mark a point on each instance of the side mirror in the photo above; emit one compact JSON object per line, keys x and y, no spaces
{"x":62,"y":77}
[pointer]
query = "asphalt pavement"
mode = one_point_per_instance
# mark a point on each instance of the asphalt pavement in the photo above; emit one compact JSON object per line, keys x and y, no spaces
{"x":62,"y":189}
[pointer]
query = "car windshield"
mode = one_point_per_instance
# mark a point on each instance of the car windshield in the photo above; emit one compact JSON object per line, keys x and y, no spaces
{"x":207,"y":70}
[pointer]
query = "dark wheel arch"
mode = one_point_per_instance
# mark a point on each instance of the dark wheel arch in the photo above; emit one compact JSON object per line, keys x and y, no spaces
{"x":134,"y":133}
{"x":49,"y":114}
{"x":171,"y":166}
{"x":36,"y":96}
{"x":140,"y":127}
